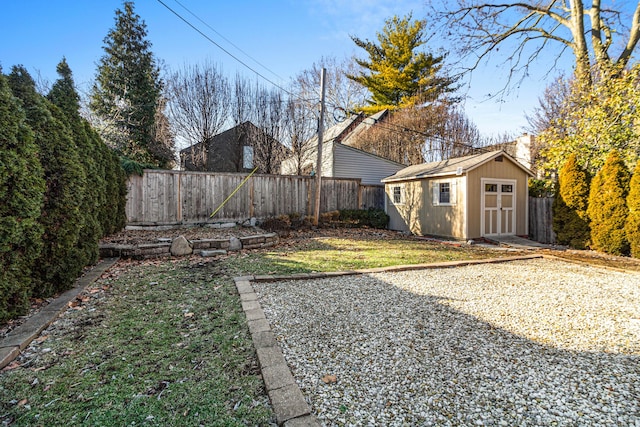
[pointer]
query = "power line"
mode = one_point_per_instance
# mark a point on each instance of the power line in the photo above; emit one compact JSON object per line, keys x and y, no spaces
{"x":222,"y":48}
{"x":228,"y":41}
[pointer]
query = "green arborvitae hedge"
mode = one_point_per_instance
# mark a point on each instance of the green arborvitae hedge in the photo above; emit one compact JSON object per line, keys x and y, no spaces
{"x":632,"y":226}
{"x":61,"y":190}
{"x":64,"y":96}
{"x":21,"y":195}
{"x":570,"y":220}
{"x":116,"y":193}
{"x":607,"y":208}
{"x":60,"y":262}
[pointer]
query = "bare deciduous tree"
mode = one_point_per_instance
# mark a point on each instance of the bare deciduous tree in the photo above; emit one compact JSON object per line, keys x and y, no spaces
{"x":271,"y":118}
{"x":342,"y":94}
{"x":604,"y":31}
{"x":200,"y":100}
{"x":301,"y":126}
{"x":414,"y":135}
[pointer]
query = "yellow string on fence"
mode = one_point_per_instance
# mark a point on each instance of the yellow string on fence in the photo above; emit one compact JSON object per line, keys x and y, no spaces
{"x":234,"y":192}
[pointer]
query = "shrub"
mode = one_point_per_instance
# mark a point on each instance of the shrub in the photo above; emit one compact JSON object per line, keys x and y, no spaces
{"x":570,"y":220}
{"x":21,"y":195}
{"x":607,"y":208}
{"x":541,"y":188}
{"x":113,"y":216}
{"x":632,"y":226}
{"x":280,"y":224}
{"x":64,"y":96}
{"x":375,"y":218}
{"x":60,"y":262}
{"x":327,"y":218}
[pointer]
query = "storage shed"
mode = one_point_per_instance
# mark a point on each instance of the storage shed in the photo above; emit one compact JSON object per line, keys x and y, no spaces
{"x":481,"y":195}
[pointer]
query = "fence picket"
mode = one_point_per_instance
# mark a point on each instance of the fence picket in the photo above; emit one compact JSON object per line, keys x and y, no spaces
{"x":179,"y":197}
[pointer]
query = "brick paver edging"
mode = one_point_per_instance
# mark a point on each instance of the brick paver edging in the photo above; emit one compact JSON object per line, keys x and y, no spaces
{"x":289,"y":405}
{"x":18,"y":339}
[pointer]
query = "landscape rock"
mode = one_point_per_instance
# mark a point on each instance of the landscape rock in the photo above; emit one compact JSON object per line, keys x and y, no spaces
{"x":222,"y":225}
{"x":235,"y":244}
{"x":181,"y":246}
{"x":251,"y":222}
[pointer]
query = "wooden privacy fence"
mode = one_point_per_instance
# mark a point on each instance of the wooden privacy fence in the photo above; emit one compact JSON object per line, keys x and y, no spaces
{"x":179,"y":197}
{"x":541,"y":219}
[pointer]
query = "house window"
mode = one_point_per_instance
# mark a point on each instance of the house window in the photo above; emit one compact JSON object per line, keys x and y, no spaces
{"x":507,"y":188}
{"x":444,"y":192}
{"x":247,"y":157}
{"x":398,"y":194}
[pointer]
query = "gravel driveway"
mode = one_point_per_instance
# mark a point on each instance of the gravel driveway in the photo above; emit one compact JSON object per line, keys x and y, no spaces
{"x":527,"y":343}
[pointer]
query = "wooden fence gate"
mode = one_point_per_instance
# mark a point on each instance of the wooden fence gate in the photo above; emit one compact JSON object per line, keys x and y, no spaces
{"x":541,"y":219}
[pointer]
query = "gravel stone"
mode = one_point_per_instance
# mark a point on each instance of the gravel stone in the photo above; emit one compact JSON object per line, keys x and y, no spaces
{"x":528,"y":343}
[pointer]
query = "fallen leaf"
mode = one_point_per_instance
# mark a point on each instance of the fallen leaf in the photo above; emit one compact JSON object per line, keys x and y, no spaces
{"x":23,"y":402}
{"x":188,"y":314}
{"x":329,"y":379}
{"x":41,"y":338}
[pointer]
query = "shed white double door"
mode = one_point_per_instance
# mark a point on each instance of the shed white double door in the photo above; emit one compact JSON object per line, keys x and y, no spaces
{"x":498,"y":214}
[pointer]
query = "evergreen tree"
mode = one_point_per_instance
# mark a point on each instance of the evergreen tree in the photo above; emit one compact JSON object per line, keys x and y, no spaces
{"x":607,"y":208}
{"x":127,"y":93}
{"x":60,"y":262}
{"x":396,"y":74}
{"x":632,"y":226}
{"x":570,"y":220}
{"x":64,"y":95}
{"x":21,"y":195}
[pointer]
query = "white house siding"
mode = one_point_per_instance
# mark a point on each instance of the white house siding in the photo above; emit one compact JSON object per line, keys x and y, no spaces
{"x":352,"y":163}
{"x":290,"y":166}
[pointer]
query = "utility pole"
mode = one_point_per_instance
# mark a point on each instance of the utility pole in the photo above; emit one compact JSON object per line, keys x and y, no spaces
{"x":316,"y":215}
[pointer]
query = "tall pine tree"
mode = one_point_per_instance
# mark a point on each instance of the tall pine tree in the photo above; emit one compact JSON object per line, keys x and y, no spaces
{"x":127,"y":93}
{"x":396,"y":73}
{"x":607,"y":208}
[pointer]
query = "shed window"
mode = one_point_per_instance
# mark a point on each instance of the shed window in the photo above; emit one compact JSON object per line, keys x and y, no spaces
{"x":444,"y":193}
{"x":398,"y":194}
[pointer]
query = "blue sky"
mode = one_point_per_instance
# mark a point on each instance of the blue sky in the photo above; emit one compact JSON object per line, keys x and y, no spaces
{"x":286,"y":36}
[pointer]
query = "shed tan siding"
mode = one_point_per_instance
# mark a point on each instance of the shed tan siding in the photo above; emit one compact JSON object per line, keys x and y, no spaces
{"x":497,"y":170}
{"x":418,"y":214}
{"x":446,"y":221}
{"x":405,"y":216}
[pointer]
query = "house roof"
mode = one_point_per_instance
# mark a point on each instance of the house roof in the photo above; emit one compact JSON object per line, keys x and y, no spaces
{"x":229,"y":135}
{"x":363,"y":126}
{"x":454,"y":166}
{"x":336,"y":131}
